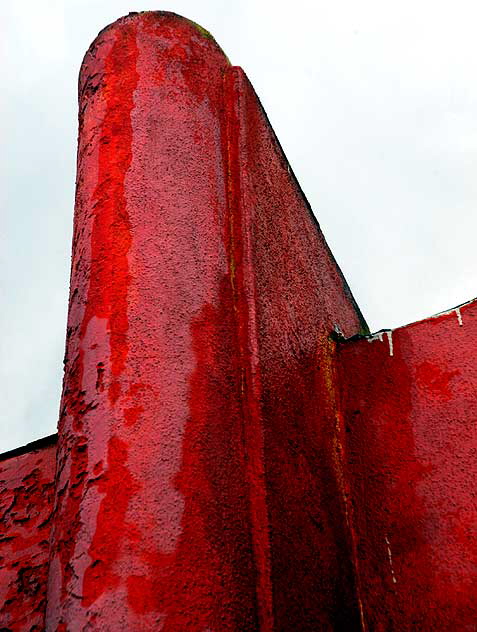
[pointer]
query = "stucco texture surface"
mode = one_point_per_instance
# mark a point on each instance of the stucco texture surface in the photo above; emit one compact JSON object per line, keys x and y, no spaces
{"x":409,"y":406}
{"x":26,"y":505}
{"x":169,"y":432}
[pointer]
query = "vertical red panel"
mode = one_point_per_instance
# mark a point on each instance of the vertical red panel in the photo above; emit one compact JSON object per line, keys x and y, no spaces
{"x":409,"y":408}
{"x":294,"y":296}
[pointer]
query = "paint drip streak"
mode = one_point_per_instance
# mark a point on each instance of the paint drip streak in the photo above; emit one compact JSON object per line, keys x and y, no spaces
{"x":108,"y":292}
{"x":111,"y":232}
{"x":242,"y":274}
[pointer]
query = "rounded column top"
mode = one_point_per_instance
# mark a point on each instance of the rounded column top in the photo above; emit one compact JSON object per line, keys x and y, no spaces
{"x":178,"y":41}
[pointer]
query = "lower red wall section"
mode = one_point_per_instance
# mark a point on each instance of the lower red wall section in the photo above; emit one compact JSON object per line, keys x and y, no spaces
{"x":26,"y":503}
{"x":405,"y":443}
{"x":409,"y":409}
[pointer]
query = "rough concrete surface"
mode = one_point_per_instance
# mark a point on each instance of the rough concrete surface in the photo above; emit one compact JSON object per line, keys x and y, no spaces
{"x":26,"y":504}
{"x":409,"y":407}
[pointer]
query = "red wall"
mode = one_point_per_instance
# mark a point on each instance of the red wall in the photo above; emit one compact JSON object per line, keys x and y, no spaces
{"x":26,"y":504}
{"x":157,"y":531}
{"x":409,"y":406}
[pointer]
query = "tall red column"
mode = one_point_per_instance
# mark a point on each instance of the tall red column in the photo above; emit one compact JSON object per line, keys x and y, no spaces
{"x":152,"y":525}
{"x":197,"y":487}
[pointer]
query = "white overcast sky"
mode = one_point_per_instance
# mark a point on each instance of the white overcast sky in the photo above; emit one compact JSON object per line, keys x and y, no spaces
{"x":375,"y":105}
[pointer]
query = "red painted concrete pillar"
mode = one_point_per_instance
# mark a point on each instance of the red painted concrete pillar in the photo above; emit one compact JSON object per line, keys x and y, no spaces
{"x":153,"y":519}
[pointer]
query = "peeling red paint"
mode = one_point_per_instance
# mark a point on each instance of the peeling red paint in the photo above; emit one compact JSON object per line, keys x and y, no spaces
{"x":166,"y":549}
{"x":26,"y":505}
{"x":106,"y":297}
{"x":118,"y":488}
{"x":179,"y":177}
{"x":211,"y":563}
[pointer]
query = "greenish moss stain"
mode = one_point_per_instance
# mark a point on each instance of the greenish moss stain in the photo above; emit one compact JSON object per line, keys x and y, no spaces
{"x":205,"y":33}
{"x":202,"y":30}
{"x":364,"y":329}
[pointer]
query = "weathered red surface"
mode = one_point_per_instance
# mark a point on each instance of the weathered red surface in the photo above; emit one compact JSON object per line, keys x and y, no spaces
{"x":409,"y":407}
{"x":26,"y":504}
{"x":169,"y":432}
{"x":156,"y":531}
{"x":294,"y":296}
{"x":223,"y":462}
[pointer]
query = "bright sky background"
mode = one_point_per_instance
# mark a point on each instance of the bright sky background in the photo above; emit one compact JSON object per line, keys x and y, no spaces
{"x":375,"y":105}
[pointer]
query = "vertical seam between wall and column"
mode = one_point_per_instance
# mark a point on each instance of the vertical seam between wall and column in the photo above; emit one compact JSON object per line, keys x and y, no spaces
{"x":244,"y":301}
{"x":339,"y":450}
